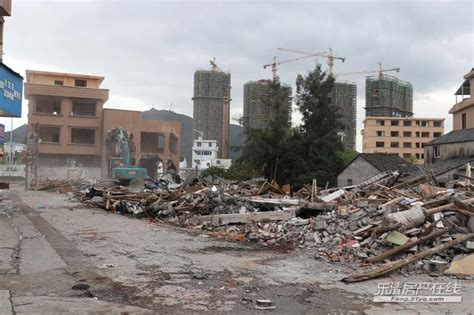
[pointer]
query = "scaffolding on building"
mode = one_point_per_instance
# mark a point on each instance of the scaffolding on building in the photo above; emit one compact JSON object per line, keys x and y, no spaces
{"x":211,"y":112}
{"x":345,"y":99}
{"x":258,"y":112}
{"x":388,"y":96}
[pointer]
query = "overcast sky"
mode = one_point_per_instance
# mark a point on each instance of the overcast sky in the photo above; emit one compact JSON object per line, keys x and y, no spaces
{"x":149,"y":50}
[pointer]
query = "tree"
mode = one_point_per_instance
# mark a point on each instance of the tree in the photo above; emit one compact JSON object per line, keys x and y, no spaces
{"x":315,"y":147}
{"x":264,"y":148}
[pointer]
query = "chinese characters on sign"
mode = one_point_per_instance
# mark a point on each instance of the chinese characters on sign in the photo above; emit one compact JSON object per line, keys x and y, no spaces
{"x":418,"y":292}
{"x":11,"y":92}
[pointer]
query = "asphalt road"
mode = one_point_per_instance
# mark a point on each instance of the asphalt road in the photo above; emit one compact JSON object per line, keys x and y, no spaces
{"x":56,"y":256}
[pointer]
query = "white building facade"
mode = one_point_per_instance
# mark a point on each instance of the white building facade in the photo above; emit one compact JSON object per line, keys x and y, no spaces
{"x":205,"y":153}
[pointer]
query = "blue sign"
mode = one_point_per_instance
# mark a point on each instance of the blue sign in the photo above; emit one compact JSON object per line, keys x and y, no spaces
{"x":11,"y":92}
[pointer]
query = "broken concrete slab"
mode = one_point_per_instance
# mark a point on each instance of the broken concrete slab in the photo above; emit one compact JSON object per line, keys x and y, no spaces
{"x":463,"y":266}
{"x":224,"y":219}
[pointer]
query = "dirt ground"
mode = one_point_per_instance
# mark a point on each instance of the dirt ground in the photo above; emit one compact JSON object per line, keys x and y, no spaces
{"x":58,"y":256}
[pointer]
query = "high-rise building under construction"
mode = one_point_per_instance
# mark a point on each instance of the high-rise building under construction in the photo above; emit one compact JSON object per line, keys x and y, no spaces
{"x":212,"y":107}
{"x":345,"y":99}
{"x":258,"y":110}
{"x":387,"y":96}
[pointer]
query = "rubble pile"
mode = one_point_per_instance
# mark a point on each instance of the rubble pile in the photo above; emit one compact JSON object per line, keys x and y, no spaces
{"x":378,"y":221}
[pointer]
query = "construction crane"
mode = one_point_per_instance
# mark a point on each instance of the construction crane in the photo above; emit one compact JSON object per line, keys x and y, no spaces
{"x":380,"y":71}
{"x":276,"y":63}
{"x":329,"y":55}
{"x":214,"y":65}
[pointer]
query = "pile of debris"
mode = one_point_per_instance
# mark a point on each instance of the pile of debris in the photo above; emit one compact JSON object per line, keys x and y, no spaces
{"x":370,"y":223}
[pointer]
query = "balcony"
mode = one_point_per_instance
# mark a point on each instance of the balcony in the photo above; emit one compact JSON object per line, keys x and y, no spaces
{"x":66,"y":91}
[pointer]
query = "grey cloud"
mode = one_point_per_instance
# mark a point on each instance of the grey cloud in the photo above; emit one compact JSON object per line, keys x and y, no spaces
{"x":149,"y":50}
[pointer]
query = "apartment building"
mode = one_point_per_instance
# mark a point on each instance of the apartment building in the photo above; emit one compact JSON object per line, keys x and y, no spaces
{"x":405,"y":136}
{"x":463,"y":110}
{"x":211,"y":107}
{"x":66,"y":110}
{"x":205,"y":155}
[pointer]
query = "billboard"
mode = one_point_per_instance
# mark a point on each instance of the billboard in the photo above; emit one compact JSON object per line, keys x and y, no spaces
{"x":11,"y":92}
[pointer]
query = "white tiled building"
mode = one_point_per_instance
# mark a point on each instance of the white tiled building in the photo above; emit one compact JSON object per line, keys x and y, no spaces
{"x":205,"y":153}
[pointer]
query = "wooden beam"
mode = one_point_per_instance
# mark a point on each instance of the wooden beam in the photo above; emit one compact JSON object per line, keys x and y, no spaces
{"x":408,"y":245}
{"x":392,"y":266}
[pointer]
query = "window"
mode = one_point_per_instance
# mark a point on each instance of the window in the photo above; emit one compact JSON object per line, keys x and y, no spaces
{"x":394,"y":122}
{"x":379,"y":144}
{"x":407,"y":144}
{"x":161,"y":142}
{"x":380,"y":133}
{"x":436,"y":134}
{"x":349,"y":182}
{"x":210,"y":144}
{"x":425,"y":134}
{"x":80,"y":83}
{"x":407,"y":134}
{"x":463,"y":121}
{"x":406,"y":155}
{"x":58,"y":82}
{"x":83,"y":108}
{"x":436,"y":151}
{"x":417,"y":145}
{"x":394,"y":134}
{"x":407,"y":123}
{"x":198,"y":144}
{"x":152,"y":142}
{"x":424,"y":123}
{"x":437,"y":123}
{"x":422,"y":155}
{"x":49,"y":134}
{"x":48,"y":105}
{"x":82,"y":136}
{"x":417,"y":156}
{"x":218,"y":162}
{"x":417,"y":134}
{"x":394,"y":144}
{"x":418,"y":123}
{"x":380,"y":122}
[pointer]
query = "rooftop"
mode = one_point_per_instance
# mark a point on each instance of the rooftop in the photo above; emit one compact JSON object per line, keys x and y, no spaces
{"x":455,"y":136}
{"x":465,"y":88}
{"x":402,"y":118}
{"x":63,"y":74}
{"x":388,"y":162}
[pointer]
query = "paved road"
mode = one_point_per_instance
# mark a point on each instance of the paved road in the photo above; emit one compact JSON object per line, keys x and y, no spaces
{"x":58,"y":257}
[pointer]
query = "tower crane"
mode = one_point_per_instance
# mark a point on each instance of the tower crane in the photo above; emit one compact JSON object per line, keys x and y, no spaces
{"x":329,"y":55}
{"x":214,"y":65}
{"x":380,"y":71}
{"x":276,"y":63}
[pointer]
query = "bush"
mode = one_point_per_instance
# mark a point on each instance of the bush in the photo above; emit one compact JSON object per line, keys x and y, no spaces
{"x":238,"y":171}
